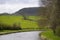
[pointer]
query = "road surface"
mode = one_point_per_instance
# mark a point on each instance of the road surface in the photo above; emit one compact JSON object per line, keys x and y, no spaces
{"x":32,"y":35}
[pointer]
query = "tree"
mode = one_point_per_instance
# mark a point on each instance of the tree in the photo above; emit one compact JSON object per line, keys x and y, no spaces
{"x":53,"y":14}
{"x":44,"y":17}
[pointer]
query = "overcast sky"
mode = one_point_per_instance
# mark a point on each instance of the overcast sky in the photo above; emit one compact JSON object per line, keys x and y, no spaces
{"x":11,"y":6}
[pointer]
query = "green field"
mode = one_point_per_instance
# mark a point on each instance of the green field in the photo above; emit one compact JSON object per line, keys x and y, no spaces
{"x":11,"y":19}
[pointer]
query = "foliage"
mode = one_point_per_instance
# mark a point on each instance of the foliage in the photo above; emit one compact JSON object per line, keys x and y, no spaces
{"x":50,"y":35}
{"x":9,"y":27}
{"x":53,"y":14}
{"x":12,"y":20}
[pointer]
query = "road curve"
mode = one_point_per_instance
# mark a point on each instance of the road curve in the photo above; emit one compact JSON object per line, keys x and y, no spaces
{"x":32,"y":35}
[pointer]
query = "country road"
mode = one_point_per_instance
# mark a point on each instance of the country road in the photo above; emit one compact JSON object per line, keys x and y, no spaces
{"x":32,"y":35}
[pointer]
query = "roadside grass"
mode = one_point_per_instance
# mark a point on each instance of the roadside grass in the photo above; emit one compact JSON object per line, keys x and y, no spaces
{"x":4,"y":32}
{"x":26,"y":25}
{"x":49,"y":35}
{"x":10,"y":20}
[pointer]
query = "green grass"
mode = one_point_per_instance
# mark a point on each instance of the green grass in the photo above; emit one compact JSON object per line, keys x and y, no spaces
{"x":4,"y":32}
{"x":49,"y":34}
{"x":26,"y":25}
{"x":10,"y":20}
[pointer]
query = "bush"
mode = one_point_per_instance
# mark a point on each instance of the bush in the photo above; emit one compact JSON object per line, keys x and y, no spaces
{"x":10,"y":27}
{"x":15,"y":26}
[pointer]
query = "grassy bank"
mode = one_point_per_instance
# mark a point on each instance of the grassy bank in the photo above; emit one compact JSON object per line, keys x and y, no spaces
{"x":4,"y":32}
{"x":48,"y":35}
{"x":18,"y":20}
{"x":10,"y":21}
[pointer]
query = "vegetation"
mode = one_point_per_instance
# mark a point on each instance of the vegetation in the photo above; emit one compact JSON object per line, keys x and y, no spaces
{"x":52,"y":16}
{"x":18,"y":20}
{"x":8,"y":27}
{"x":49,"y":35}
{"x":13,"y":22}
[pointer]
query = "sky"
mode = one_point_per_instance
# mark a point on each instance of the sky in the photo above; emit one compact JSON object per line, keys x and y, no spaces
{"x":11,"y":6}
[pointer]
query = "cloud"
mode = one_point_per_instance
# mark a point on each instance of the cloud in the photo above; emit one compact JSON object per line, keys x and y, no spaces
{"x":18,"y":1}
{"x":11,"y":6}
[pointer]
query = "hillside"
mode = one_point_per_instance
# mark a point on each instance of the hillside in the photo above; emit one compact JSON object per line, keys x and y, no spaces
{"x":32,"y":11}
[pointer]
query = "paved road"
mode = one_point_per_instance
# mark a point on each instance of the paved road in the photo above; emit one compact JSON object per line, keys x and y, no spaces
{"x":33,"y":35}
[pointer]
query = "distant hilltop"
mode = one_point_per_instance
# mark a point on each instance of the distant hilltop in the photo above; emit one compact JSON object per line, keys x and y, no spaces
{"x":28,"y":11}
{"x":32,"y":11}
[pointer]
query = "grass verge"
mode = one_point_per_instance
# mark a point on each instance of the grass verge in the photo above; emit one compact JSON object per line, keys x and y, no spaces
{"x":4,"y":32}
{"x":49,"y":35}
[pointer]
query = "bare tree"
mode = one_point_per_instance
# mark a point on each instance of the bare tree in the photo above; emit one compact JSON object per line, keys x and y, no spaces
{"x":53,"y":14}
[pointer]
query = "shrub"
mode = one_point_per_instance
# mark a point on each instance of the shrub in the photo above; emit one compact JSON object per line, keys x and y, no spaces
{"x":10,"y":27}
{"x":15,"y":26}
